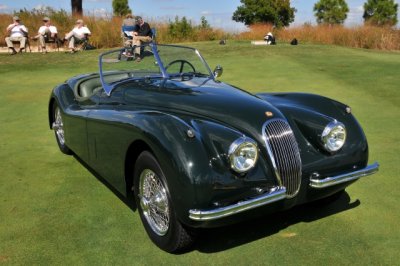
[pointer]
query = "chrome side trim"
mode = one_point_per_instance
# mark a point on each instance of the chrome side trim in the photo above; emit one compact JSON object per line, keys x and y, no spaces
{"x":278,"y":193}
{"x":334,"y":180}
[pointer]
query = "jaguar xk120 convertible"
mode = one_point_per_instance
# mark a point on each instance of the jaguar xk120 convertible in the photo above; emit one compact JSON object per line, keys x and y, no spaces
{"x":195,"y":152}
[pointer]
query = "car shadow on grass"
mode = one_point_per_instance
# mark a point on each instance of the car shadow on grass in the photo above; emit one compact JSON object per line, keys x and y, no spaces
{"x":220,"y":239}
{"x":129,"y":201}
{"x":227,"y":237}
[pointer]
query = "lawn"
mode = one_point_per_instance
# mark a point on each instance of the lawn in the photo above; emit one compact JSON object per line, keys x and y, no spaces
{"x":54,"y":211}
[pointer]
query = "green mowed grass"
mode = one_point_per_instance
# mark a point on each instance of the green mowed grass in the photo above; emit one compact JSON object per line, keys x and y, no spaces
{"x":54,"y":211}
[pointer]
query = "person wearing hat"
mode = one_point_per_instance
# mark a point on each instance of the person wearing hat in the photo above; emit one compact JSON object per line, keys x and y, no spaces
{"x":78,"y":34}
{"x":47,"y":31}
{"x":143,"y":34}
{"x":17,"y":33}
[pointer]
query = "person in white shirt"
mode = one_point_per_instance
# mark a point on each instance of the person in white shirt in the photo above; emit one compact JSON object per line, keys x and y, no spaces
{"x":47,"y":31}
{"x":18,"y":33}
{"x":79,"y":33}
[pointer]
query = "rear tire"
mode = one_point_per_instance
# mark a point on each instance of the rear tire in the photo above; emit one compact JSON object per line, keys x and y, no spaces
{"x":155,"y":207}
{"x":58,"y":127}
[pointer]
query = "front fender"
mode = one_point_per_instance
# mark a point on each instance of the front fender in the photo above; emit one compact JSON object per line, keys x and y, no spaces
{"x":308,"y":114}
{"x":63,"y":96}
{"x":196,"y":166}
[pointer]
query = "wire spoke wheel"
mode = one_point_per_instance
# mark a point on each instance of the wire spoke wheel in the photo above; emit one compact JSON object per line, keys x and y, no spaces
{"x":58,"y":126}
{"x":154,"y":202}
{"x":156,"y":206}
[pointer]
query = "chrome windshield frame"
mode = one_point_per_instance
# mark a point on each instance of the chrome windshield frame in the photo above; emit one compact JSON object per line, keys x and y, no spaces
{"x":108,"y":88}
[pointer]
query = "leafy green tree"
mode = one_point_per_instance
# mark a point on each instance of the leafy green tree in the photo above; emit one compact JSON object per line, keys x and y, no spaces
{"x":380,"y":12}
{"x":204,"y":23}
{"x":76,"y":6}
{"x":181,"y":28}
{"x":277,"y":12}
{"x":331,"y":11}
{"x":121,"y":7}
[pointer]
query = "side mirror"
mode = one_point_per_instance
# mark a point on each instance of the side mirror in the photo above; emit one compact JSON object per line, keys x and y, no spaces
{"x":218,"y":71}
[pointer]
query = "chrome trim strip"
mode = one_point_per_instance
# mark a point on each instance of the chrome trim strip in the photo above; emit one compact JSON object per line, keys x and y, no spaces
{"x":270,"y":153}
{"x":278,"y":193}
{"x":284,"y":154}
{"x":334,"y":180}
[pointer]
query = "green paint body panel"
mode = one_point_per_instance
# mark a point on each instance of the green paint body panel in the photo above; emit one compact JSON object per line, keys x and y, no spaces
{"x":101,"y":129}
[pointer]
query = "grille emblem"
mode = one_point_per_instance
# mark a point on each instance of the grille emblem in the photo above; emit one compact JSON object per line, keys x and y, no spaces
{"x":269,"y":114}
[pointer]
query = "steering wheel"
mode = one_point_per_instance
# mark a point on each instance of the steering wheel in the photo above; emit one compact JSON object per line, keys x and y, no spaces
{"x":182,"y":62}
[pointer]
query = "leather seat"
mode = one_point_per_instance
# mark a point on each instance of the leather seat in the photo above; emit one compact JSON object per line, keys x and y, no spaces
{"x":89,"y":87}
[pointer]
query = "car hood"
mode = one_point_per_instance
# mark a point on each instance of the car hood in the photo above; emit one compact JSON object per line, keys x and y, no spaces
{"x":200,"y":97}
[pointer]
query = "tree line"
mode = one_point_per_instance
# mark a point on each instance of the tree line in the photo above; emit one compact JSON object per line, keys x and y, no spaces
{"x":280,"y":12}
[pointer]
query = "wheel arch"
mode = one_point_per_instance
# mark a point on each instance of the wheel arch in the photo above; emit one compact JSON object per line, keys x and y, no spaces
{"x":132,"y":154}
{"x":52,"y":102}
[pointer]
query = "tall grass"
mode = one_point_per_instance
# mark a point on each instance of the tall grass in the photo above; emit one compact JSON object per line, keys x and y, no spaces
{"x":106,"y":32}
{"x":367,"y":36}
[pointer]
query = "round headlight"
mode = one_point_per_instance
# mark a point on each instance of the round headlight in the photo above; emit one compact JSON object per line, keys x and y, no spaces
{"x":243,"y":154}
{"x":334,"y":136}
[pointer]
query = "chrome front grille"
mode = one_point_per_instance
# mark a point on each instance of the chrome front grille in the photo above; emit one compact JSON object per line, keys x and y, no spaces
{"x":284,"y":153}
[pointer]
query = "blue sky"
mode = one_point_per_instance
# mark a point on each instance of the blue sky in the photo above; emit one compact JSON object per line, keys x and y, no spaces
{"x":217,"y":12}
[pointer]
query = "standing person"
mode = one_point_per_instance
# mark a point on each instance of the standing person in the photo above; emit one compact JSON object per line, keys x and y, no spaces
{"x":78,"y":34}
{"x":47,"y":31}
{"x":144,"y":34}
{"x":18,"y":33}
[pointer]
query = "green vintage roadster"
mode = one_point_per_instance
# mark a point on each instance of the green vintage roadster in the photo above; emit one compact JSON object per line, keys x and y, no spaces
{"x":195,"y":152}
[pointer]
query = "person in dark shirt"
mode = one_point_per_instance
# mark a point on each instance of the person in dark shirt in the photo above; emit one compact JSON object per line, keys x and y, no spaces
{"x":144,"y":34}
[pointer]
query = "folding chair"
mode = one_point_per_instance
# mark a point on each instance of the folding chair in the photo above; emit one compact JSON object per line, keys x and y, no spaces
{"x":153,"y":40}
{"x":82,"y":44}
{"x":27,"y":44}
{"x":154,"y":35}
{"x":50,"y":40}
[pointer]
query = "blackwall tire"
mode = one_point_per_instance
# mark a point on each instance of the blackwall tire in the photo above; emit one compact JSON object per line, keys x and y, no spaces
{"x":155,"y":207}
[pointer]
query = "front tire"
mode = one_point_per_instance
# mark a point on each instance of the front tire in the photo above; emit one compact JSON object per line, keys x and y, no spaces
{"x":58,"y":127}
{"x":155,"y":206}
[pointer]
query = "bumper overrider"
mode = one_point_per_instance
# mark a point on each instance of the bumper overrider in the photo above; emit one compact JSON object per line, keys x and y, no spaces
{"x":276,"y":194}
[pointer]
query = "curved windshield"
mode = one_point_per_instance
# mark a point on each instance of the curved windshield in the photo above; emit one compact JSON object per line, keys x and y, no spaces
{"x":178,"y":60}
{"x":151,"y":61}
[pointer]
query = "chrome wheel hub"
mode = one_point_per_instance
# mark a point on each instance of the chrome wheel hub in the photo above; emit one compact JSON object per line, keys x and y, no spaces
{"x":154,"y":202}
{"x":58,"y":126}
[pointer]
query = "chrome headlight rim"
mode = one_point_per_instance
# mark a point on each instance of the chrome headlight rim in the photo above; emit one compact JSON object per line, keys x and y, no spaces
{"x":334,"y":144}
{"x":235,"y":147}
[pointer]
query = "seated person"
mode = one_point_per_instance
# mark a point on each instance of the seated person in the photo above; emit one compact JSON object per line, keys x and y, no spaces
{"x":78,"y":34}
{"x":143,"y":34}
{"x":18,"y":33}
{"x":46,"y":32}
{"x":128,"y":27}
{"x":270,"y":39}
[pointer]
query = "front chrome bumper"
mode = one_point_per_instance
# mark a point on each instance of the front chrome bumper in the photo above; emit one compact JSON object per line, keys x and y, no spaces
{"x":279,"y":193}
{"x":334,"y":180}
